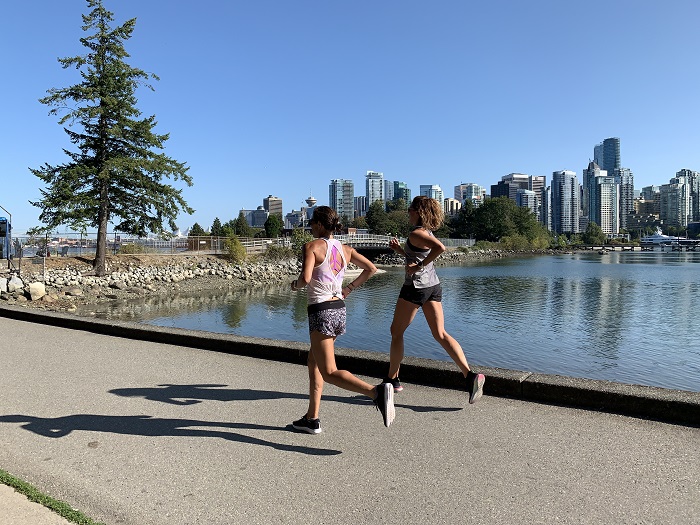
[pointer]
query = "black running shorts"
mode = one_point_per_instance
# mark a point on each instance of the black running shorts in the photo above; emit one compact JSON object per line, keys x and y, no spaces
{"x":420,"y":296}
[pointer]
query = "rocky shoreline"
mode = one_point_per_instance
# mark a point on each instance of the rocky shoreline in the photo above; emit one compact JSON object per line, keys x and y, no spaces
{"x":67,"y":283}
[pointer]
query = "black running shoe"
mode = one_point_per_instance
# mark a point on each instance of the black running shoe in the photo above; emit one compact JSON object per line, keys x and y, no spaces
{"x":475,"y":386}
{"x":394,"y":382}
{"x":312,"y":426}
{"x":385,"y":402}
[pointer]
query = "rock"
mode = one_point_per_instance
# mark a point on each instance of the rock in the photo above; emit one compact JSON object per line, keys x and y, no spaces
{"x":37,"y":290}
{"x":3,"y":285}
{"x":15,"y":284}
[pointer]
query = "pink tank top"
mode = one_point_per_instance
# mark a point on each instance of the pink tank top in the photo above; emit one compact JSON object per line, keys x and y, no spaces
{"x":327,"y":278}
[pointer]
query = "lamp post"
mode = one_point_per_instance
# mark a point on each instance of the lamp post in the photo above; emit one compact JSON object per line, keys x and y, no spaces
{"x":3,"y":209}
{"x":9,"y":234}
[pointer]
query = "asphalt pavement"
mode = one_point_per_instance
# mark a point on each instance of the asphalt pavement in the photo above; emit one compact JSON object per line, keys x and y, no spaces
{"x":135,"y":425}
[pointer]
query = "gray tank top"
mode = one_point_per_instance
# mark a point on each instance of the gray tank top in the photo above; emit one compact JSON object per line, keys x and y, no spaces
{"x":426,"y":277}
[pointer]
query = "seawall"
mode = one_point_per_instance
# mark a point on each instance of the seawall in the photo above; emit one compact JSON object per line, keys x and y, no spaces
{"x":671,"y":406}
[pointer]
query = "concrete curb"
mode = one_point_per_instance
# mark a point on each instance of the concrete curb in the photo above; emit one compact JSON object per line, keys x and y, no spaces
{"x":671,"y":406}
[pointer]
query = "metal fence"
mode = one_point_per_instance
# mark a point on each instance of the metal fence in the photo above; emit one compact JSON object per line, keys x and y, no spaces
{"x":71,"y":244}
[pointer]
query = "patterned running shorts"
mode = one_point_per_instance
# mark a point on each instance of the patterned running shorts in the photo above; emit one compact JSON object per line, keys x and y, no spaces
{"x":328,"y":322}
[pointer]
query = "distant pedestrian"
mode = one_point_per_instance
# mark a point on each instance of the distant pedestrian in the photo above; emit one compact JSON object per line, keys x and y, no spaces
{"x":422,"y":289}
{"x":323,"y":269}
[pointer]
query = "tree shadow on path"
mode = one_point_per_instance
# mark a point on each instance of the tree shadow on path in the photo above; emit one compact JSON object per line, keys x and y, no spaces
{"x":143,"y":425}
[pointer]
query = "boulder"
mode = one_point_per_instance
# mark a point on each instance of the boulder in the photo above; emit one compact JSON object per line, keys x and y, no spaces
{"x":37,"y":290}
{"x":15,"y":284}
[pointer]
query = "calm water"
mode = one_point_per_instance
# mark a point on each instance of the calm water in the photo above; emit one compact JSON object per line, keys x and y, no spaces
{"x":628,"y":317}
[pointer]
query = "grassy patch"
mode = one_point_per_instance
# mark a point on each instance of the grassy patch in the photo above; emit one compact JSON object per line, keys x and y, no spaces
{"x":59,"y":507}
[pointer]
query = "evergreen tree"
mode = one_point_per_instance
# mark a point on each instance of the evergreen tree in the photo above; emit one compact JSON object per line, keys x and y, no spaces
{"x":241,"y":228}
{"x":115,"y":177}
{"x":396,"y":205}
{"x":217,"y":230}
{"x":398,"y":223}
{"x":377,"y":219}
{"x":229,"y":228}
{"x":273,"y":225}
{"x":196,"y":231}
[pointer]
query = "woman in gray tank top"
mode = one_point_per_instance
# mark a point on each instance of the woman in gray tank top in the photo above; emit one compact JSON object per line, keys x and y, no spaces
{"x":422,"y":289}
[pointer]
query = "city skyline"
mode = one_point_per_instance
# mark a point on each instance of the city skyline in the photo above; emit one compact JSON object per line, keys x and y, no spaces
{"x":291,"y":97}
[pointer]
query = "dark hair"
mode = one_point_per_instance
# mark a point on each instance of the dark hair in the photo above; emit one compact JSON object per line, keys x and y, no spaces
{"x":429,"y":212}
{"x":327,"y":217}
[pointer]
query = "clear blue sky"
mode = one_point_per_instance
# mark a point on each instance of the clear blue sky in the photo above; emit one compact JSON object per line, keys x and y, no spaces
{"x":276,"y":97}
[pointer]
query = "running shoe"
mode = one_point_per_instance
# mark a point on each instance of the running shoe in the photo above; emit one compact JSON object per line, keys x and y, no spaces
{"x":311,"y":426}
{"x":475,"y":386}
{"x":394,"y":382}
{"x":385,"y":402}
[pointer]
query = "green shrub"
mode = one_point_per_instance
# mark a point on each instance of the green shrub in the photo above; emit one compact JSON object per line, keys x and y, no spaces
{"x":234,"y":251}
{"x":277,"y":252}
{"x":132,"y":248}
{"x":299,"y":239}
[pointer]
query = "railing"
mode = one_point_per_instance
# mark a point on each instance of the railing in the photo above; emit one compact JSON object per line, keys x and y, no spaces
{"x":71,"y":244}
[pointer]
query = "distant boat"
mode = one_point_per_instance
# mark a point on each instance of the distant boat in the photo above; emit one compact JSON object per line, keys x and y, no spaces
{"x":658,"y":239}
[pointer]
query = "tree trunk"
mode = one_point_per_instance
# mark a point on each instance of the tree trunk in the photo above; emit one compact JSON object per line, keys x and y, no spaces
{"x":102,"y":221}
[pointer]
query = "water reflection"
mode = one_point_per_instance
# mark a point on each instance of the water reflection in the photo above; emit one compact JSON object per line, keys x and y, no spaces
{"x":606,"y":317}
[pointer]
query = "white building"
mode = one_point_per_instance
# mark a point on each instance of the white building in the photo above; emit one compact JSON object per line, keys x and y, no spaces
{"x":433,"y":191}
{"x":374,"y":187}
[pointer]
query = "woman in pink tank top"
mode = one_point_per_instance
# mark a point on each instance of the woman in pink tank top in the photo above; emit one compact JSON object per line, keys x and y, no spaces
{"x":323,"y":268}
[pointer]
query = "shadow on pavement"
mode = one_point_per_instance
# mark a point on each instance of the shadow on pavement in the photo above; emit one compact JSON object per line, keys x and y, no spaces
{"x":193,"y":394}
{"x":144,"y":425}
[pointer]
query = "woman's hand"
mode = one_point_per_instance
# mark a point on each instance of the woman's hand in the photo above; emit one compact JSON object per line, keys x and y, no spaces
{"x":395,"y":245}
{"x":413,"y":268}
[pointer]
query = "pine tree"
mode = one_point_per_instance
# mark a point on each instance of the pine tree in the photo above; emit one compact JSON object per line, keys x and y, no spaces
{"x":116,"y":176}
{"x":197,"y":231}
{"x":217,"y":230}
{"x":273,"y":226}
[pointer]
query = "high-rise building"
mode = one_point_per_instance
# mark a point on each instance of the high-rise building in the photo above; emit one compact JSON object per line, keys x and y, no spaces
{"x":402,"y":191}
{"x":273,"y":205}
{"x":675,"y":203}
{"x":256,"y":218}
{"x":470,"y":191}
{"x":509,"y":185}
{"x":625,"y":180}
{"x":374,"y":187}
{"x":451,"y":206}
{"x":433,"y":191}
{"x":527,"y":199}
{"x":341,"y":197}
{"x":588,"y":190}
{"x":649,"y":192}
{"x":606,"y":212}
{"x":607,"y":154}
{"x":360,"y":206}
{"x":693,"y":180}
{"x":565,"y":202}
{"x":388,"y":190}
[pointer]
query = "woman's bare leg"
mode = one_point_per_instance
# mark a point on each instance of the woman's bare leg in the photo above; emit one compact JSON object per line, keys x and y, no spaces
{"x":322,"y":347}
{"x":404,"y":313}
{"x":315,"y":387}
{"x":436,"y":321}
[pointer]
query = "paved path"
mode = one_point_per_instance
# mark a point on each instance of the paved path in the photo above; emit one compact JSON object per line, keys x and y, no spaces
{"x":133,"y":432}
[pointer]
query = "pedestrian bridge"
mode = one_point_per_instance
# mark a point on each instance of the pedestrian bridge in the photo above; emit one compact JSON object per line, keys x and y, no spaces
{"x":366,"y":240}
{"x":369,"y":245}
